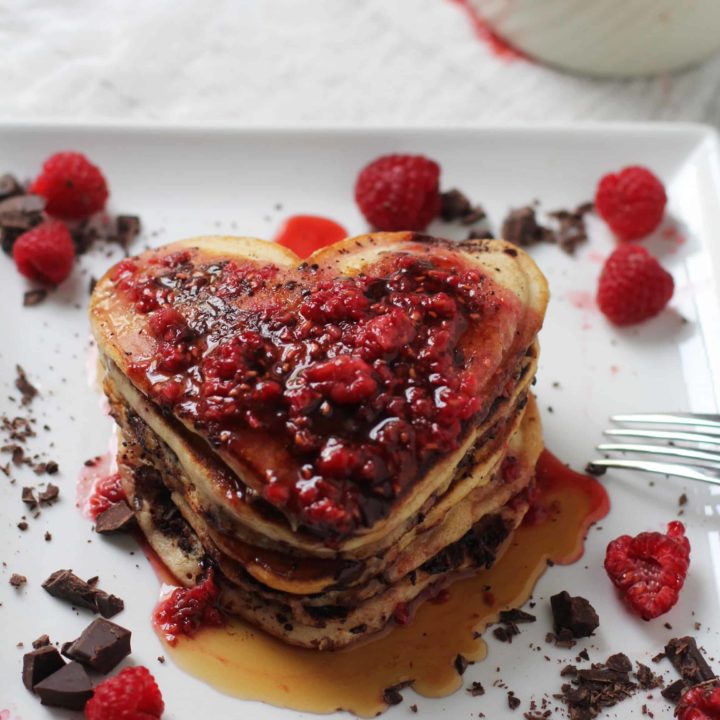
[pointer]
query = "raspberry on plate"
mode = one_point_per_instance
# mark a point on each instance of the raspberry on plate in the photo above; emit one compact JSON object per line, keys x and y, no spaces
{"x":132,"y":694}
{"x":650,"y":569}
{"x":45,"y":254}
{"x":701,"y":702}
{"x":631,"y":202}
{"x":399,"y":192}
{"x":72,"y":186}
{"x":633,"y":286}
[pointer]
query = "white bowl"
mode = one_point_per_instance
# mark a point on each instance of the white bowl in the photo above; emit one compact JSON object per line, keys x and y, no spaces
{"x":620,"y":38}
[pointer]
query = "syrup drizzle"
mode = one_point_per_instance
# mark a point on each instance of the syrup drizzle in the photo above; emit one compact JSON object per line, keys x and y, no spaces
{"x":246,"y":663}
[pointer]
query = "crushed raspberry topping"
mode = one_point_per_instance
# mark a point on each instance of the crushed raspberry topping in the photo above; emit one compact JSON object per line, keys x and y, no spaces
{"x":106,"y":493}
{"x":650,"y":569}
{"x":701,"y":702}
{"x":186,"y":610}
{"x":132,"y":694}
{"x":365,"y":379}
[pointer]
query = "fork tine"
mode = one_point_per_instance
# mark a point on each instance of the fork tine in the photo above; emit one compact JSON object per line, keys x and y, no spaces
{"x":710,"y":459}
{"x":665,"y":435}
{"x":694,"y":419}
{"x":684,"y":471}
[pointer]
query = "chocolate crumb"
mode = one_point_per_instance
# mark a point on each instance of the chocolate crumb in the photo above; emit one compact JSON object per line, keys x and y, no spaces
{"x":515,"y":615}
{"x":22,"y":525}
{"x":512,"y":701}
{"x":456,"y":206}
{"x":28,"y":497}
{"x":49,"y":494}
{"x":646,"y":678}
{"x":461,"y":664}
{"x":392,"y":694}
{"x":596,"y":470}
{"x":48,"y":536}
{"x":476,"y":689}
{"x":17,"y":580}
{"x":413,"y":708}
{"x":571,"y":230}
{"x":161,"y":659}
{"x":682,"y":500}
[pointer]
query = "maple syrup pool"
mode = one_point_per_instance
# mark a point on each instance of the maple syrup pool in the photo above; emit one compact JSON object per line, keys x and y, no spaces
{"x":246,"y":663}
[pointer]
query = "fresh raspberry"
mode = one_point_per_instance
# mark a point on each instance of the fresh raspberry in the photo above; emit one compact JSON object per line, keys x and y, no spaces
{"x":701,"y":702}
{"x":45,"y":254}
{"x":73,"y":187}
{"x":132,"y":694}
{"x":631,"y":202}
{"x":399,"y":192}
{"x":650,"y":568}
{"x":633,"y":286}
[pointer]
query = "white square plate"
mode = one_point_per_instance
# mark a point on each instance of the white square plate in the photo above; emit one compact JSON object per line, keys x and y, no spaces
{"x":204,"y":181}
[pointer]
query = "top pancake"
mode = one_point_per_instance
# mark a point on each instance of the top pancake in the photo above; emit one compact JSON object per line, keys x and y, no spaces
{"x":342,"y":390}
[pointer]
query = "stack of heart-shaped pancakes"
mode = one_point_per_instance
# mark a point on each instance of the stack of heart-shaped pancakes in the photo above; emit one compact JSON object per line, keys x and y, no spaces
{"x":338,"y":438}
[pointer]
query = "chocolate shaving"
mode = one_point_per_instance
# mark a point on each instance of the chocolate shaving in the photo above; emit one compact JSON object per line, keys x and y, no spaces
{"x":687,"y":659}
{"x":571,"y":230}
{"x":65,"y":585}
{"x":34,"y":297}
{"x":26,"y":388}
{"x":521,"y":227}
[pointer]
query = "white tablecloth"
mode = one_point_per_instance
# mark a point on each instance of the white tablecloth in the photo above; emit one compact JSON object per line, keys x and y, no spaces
{"x":300,"y":62}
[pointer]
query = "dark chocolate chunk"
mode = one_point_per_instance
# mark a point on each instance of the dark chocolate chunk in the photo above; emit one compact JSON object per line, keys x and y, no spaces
{"x":34,"y":297}
{"x":108,"y":605}
{"x":687,"y":659}
{"x":101,"y":646}
{"x":9,"y":186}
{"x":116,"y":518}
{"x":42,"y":641}
{"x":39,"y":664}
{"x":26,"y":388}
{"x":28,"y":497}
{"x":65,"y":585}
{"x":69,"y":687}
{"x":454,"y":205}
{"x":521,"y":227}
{"x":575,"y":614}
{"x":674,"y":691}
{"x":18,"y":214}
{"x":619,"y":663}
{"x":49,"y":494}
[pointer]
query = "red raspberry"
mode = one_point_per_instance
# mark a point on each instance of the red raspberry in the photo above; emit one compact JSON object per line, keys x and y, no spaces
{"x":399,"y":192}
{"x":631,"y":202}
{"x":45,"y":254}
{"x":650,"y":569}
{"x":633,"y":286}
{"x":132,"y":694}
{"x":701,"y":702}
{"x":73,"y":187}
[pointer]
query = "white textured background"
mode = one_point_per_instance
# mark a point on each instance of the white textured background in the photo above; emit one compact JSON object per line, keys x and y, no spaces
{"x":300,"y":62}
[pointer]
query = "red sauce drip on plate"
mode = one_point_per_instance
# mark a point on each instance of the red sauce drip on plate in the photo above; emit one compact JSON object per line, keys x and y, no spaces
{"x":304,"y":234}
{"x":498,"y":45}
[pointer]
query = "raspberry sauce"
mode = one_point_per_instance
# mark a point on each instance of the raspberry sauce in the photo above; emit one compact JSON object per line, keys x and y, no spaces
{"x":244,"y":662}
{"x":304,"y":234}
{"x":499,"y":47}
{"x":339,"y":392}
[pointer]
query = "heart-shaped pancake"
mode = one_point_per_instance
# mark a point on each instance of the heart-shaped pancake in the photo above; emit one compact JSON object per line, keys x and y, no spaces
{"x":338,"y":394}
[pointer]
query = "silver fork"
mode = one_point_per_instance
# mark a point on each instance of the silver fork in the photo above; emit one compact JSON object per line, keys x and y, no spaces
{"x":690,"y":442}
